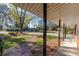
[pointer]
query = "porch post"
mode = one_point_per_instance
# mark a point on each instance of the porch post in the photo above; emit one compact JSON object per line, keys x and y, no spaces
{"x":63,"y":32}
{"x":44,"y":27}
{"x":75,"y":29}
{"x":59,"y":32}
{"x":1,"y":47}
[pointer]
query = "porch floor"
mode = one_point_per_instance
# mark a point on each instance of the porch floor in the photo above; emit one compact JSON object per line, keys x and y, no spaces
{"x":68,"y":48}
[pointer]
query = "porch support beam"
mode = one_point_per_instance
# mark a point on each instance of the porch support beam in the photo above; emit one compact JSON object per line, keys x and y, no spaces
{"x":75,"y":29}
{"x":63,"y":32}
{"x":59,"y":36}
{"x":44,"y":27}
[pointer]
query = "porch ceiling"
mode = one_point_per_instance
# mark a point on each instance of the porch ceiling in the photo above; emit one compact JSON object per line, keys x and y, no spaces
{"x":67,"y":12}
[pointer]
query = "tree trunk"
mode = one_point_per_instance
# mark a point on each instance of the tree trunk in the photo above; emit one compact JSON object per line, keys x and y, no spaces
{"x":21,"y":30}
{"x":20,"y":25}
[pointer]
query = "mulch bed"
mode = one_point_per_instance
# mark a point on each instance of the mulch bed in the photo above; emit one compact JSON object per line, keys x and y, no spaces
{"x":52,"y":47}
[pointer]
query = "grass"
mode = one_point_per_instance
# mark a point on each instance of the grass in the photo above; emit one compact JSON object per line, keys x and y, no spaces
{"x":15,"y":41}
{"x":40,"y":39}
{"x":4,"y":35}
{"x":51,"y":37}
{"x":1,"y":34}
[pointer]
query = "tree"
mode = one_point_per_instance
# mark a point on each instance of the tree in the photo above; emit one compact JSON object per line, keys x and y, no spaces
{"x":4,"y":11}
{"x":20,"y":16}
{"x":27,"y":20}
